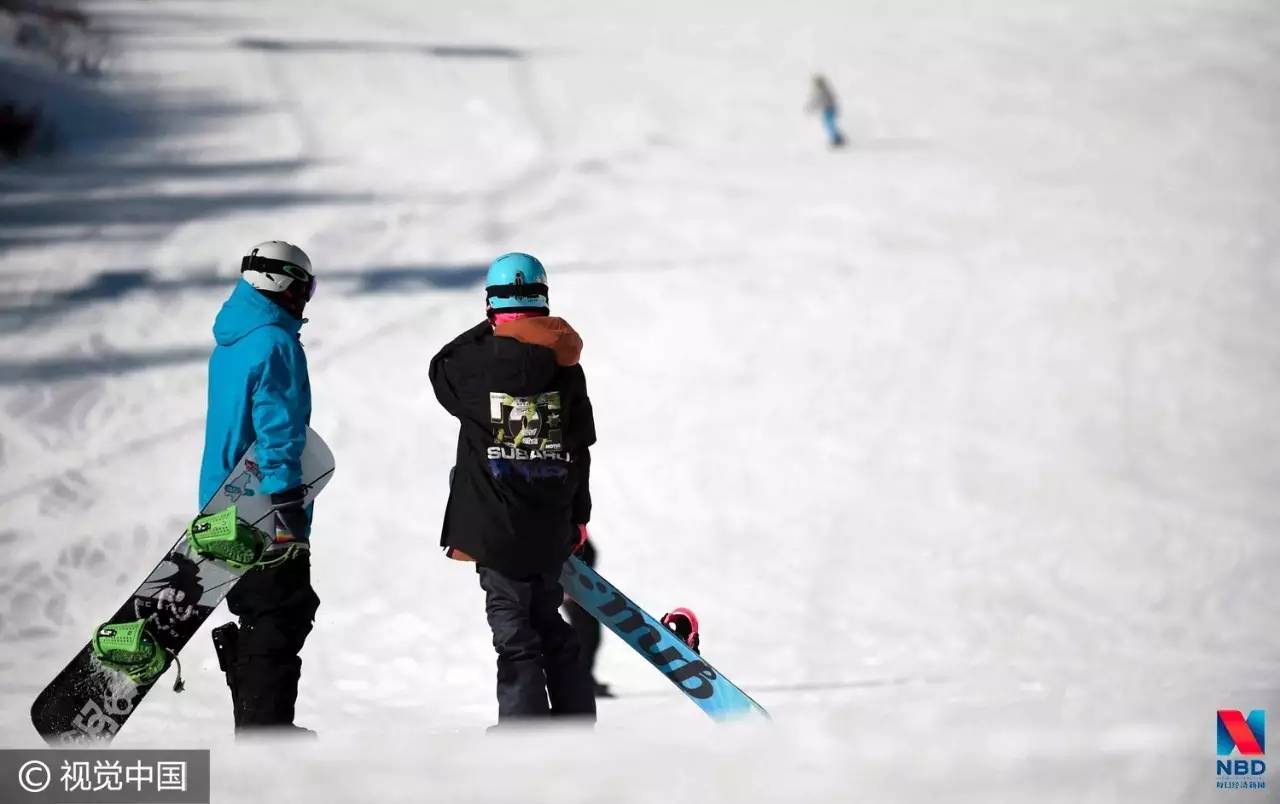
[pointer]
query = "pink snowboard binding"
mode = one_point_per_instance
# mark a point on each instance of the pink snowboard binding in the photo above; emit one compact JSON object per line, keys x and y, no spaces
{"x":684,"y":624}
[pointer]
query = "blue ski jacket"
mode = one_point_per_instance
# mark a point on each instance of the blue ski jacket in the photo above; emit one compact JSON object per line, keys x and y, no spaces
{"x":258,"y":391}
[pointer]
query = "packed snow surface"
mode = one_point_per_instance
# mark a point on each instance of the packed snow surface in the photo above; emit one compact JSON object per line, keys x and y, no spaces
{"x":962,"y":441}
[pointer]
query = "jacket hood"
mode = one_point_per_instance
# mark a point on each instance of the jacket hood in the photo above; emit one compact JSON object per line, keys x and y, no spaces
{"x":549,"y":331}
{"x":247,"y":310}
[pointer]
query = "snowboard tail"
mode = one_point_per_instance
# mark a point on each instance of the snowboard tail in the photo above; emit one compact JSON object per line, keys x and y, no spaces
{"x":90,"y":701}
{"x":701,"y":683}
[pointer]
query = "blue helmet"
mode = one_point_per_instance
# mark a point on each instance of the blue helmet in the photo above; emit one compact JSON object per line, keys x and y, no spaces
{"x":516,"y":282}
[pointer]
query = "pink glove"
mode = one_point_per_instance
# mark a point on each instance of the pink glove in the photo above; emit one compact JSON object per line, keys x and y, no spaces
{"x":582,"y":539}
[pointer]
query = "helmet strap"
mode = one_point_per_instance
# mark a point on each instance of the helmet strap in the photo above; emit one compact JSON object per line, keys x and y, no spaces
{"x":266,"y":265}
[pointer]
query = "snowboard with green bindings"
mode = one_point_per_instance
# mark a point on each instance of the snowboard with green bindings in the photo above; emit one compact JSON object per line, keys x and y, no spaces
{"x":93,"y":696}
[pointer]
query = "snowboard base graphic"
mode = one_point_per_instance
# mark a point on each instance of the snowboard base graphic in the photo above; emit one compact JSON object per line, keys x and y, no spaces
{"x":90,"y":702}
{"x":716,"y":695}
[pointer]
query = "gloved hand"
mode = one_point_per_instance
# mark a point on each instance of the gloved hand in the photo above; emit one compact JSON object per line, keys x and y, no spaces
{"x":290,"y":516}
{"x":582,"y":539}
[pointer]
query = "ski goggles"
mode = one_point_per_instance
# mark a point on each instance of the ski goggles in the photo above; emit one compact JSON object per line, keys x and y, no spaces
{"x":267,"y":265}
{"x":516,"y":291}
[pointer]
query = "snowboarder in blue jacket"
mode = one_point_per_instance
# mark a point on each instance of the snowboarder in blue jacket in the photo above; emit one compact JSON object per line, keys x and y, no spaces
{"x":259,"y":391}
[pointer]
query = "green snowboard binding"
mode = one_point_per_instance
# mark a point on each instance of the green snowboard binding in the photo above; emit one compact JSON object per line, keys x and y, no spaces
{"x":128,"y":648}
{"x":225,"y":537}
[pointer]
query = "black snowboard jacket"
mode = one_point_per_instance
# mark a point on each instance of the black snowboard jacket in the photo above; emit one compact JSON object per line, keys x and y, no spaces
{"x":520,"y":485}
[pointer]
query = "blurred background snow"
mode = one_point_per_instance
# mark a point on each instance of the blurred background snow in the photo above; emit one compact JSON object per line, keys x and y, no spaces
{"x":961,"y":441}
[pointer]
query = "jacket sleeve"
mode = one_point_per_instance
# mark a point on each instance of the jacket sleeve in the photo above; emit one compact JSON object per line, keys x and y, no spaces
{"x":446,"y":377}
{"x":585,"y":426}
{"x":582,"y":497}
{"x":280,"y":413}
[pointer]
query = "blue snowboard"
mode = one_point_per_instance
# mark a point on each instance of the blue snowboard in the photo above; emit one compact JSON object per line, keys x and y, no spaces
{"x":716,"y":695}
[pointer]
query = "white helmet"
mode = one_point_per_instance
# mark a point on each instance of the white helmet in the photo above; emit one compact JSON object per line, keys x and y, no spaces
{"x":275,"y":265}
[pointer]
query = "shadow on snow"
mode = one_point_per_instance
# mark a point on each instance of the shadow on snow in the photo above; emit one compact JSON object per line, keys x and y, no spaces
{"x":52,"y":369}
{"x":365,"y":47}
{"x":114,"y":286}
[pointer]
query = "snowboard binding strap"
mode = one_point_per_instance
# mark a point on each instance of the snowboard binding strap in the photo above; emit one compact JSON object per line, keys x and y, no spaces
{"x":241,"y":545}
{"x":684,"y":624}
{"x":130,"y":648}
{"x":226,"y":537}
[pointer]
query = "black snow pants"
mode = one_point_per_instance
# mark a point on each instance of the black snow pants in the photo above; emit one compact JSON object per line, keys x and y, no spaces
{"x":540,"y":667}
{"x":584,"y":625}
{"x":276,"y":606}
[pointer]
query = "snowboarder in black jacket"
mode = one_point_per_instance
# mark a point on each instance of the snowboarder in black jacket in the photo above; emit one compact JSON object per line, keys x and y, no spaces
{"x":519,"y":499}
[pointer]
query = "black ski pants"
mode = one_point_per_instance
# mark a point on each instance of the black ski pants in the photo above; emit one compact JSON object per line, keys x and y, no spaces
{"x":584,"y":625}
{"x":276,"y":606}
{"x":540,"y":667}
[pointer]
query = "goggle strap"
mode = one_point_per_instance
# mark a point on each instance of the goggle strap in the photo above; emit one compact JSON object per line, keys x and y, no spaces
{"x":519,"y":291}
{"x":266,"y":265}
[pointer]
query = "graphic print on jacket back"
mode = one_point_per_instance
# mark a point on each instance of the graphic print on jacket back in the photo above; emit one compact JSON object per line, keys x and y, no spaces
{"x":533,"y":422}
{"x":527,"y":429}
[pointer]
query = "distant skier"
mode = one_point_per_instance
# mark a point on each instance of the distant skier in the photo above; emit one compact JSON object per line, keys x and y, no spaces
{"x":259,"y":391}
{"x":519,"y":499}
{"x":823,"y":100}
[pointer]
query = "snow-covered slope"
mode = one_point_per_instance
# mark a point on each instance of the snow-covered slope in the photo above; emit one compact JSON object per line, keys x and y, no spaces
{"x":960,"y":441}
